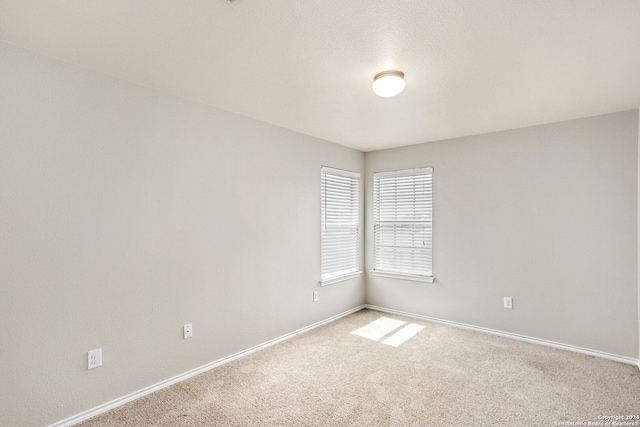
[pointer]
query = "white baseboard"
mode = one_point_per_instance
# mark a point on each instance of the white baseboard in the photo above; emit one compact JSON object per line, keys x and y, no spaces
{"x":166,"y":383}
{"x":181,"y":377}
{"x":518,"y":337}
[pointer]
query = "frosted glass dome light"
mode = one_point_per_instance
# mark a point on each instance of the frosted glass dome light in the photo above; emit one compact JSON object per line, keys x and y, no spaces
{"x":388,"y":83}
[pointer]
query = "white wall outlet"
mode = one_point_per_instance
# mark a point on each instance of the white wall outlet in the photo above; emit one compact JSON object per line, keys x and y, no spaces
{"x":187,"y":331}
{"x":508,"y":302}
{"x":315,"y":296}
{"x":94,"y":358}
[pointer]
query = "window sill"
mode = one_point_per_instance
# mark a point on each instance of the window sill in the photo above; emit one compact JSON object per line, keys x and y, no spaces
{"x":340,"y":278}
{"x":427,"y":279}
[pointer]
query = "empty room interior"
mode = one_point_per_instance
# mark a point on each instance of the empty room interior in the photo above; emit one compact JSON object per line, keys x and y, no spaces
{"x":215,"y":213}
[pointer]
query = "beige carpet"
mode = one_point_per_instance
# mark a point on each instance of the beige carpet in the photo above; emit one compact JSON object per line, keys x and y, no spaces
{"x":443,"y":376}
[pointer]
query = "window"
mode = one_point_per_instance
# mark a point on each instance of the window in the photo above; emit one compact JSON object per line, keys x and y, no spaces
{"x":402,"y":211}
{"x":340,"y":199}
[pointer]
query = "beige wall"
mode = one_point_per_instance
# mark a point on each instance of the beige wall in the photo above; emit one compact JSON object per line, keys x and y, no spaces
{"x":126,"y":213}
{"x":545,"y":215}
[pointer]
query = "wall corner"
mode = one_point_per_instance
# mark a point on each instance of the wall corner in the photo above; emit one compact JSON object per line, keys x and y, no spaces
{"x":638,"y":231}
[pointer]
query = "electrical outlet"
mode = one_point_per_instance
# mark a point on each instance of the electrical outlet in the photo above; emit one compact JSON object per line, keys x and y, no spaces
{"x":94,"y":358}
{"x":508,"y":302}
{"x":187,"y":331}
{"x":315,"y":296}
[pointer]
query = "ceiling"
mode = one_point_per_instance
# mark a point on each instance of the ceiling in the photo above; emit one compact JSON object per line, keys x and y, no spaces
{"x":471,"y":66}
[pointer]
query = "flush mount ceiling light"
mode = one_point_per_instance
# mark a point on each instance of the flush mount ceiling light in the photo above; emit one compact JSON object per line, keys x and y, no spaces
{"x":388,"y":83}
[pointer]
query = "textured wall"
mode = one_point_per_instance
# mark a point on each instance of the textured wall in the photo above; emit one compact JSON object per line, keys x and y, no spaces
{"x":126,"y":213}
{"x":545,"y":215}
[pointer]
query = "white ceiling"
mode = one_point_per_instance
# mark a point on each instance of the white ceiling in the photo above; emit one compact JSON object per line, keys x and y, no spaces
{"x":471,"y":66}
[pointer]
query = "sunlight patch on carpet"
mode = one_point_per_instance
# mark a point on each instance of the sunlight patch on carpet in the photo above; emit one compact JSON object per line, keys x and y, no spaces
{"x":383,"y":326}
{"x":403,"y":335}
{"x":378,"y":328}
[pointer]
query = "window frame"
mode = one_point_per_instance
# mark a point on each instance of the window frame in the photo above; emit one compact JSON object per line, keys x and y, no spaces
{"x":339,"y":225}
{"x":407,"y":218}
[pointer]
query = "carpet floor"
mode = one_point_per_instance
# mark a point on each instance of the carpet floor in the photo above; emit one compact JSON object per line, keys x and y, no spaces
{"x":441,"y":376}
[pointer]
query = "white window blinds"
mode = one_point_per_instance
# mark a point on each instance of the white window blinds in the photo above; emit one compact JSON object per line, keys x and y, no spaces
{"x":340,"y":197}
{"x":403,"y":214}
